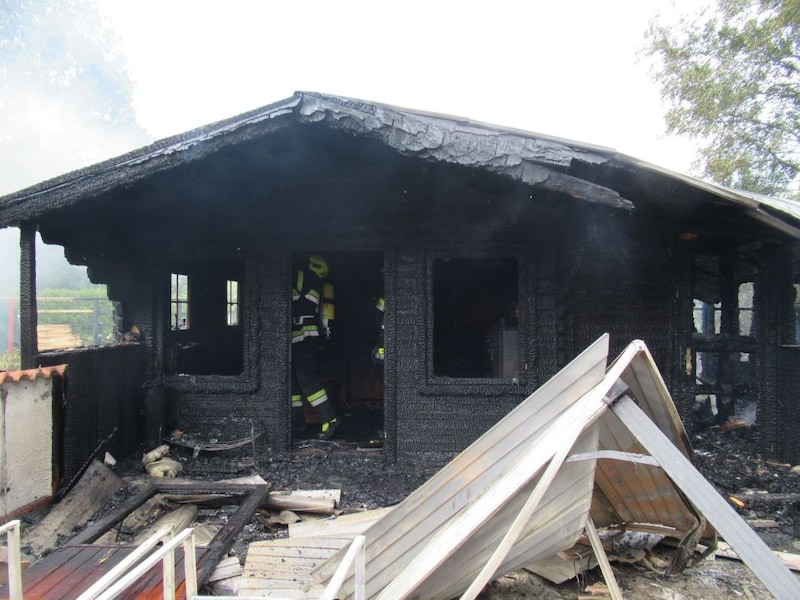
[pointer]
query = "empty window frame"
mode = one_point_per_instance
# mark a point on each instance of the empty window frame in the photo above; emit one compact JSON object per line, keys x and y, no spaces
{"x":475,"y":317}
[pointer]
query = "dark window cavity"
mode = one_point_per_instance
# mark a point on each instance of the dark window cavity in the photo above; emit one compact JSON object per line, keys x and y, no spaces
{"x":205,"y":335}
{"x":475,"y":317}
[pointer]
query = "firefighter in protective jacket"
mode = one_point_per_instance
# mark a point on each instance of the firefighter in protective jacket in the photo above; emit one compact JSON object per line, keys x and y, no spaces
{"x":306,"y":294}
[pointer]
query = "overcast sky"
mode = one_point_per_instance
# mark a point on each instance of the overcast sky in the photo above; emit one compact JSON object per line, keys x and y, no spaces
{"x":570,"y":69}
{"x":567,"y":68}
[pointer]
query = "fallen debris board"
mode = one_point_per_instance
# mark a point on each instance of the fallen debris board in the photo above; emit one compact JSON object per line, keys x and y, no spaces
{"x":792,"y":561}
{"x":445,"y":538}
{"x":176,"y":520}
{"x":227,"y":568}
{"x":283,"y":568}
{"x":349,"y":525}
{"x":146,"y":513}
{"x":504,"y":460}
{"x":558,"y":570}
{"x":93,"y":490}
{"x":321,"y":506}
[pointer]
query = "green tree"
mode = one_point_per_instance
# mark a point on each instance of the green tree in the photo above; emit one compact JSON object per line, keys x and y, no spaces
{"x":731,"y":77}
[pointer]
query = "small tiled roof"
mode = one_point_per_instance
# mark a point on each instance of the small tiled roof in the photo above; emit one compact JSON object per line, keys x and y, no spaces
{"x":31,"y":374}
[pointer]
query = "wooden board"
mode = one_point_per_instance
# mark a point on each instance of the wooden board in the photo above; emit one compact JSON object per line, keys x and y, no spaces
{"x":283,"y":568}
{"x":95,"y":487}
{"x":69,"y":571}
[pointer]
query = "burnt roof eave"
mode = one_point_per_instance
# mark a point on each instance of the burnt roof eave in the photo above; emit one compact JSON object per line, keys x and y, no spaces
{"x":125,"y":170}
{"x":538,"y":160}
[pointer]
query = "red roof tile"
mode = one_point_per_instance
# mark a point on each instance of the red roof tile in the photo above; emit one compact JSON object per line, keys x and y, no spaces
{"x":31,"y":374}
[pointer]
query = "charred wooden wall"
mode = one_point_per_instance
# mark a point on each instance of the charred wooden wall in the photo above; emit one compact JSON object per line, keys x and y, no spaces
{"x":102,"y":403}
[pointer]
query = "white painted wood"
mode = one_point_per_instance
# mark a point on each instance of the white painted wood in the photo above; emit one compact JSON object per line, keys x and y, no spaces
{"x":354,"y":557}
{"x":348,"y":525}
{"x":602,"y":559}
{"x":394,"y":540}
{"x":565,"y":444}
{"x":641,"y":459}
{"x":14,"y":568}
{"x":126,"y":564}
{"x":755,"y":553}
{"x":446,"y":540}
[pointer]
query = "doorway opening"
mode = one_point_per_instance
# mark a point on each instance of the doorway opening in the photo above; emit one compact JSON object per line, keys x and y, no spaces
{"x":347,"y":364}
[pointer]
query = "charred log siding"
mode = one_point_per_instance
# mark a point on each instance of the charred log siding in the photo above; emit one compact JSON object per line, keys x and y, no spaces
{"x":103,"y":391}
{"x":619,"y":278}
{"x":779,"y":436}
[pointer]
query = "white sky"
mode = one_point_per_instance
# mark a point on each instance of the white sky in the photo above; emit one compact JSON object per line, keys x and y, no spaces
{"x":567,"y":69}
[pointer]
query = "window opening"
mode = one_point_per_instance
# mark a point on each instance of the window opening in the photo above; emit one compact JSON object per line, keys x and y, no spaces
{"x":232,"y":302}
{"x":475,"y":317}
{"x":205,"y":335}
{"x":179,"y":303}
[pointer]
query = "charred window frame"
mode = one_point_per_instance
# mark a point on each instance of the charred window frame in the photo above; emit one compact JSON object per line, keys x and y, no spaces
{"x":232,"y":302}
{"x":204,"y":334}
{"x":475,"y":317}
{"x":179,"y":301}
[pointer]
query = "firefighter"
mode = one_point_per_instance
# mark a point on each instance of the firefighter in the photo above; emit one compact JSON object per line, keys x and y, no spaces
{"x":306,"y":293}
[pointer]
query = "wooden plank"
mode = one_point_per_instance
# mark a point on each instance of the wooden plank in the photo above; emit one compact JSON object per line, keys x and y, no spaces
{"x":755,"y":553}
{"x":394,"y":540}
{"x":227,"y":568}
{"x":349,"y":525}
{"x":790,"y":560}
{"x":558,"y":570}
{"x":95,"y":487}
{"x":602,"y":559}
{"x":224,"y":539}
{"x":283,"y":567}
{"x":566,"y":442}
{"x":176,"y":521}
{"x":447,"y":539}
{"x":91,"y":533}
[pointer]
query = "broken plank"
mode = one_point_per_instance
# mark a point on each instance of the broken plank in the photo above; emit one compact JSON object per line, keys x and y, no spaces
{"x":349,"y":525}
{"x":152,"y":509}
{"x":91,"y":533}
{"x":558,"y":570}
{"x":176,"y":521}
{"x":93,"y":490}
{"x":223,"y":541}
{"x":278,"y":501}
{"x":227,"y":568}
{"x":792,"y":561}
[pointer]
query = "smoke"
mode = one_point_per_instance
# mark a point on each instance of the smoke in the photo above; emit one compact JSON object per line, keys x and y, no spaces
{"x":65,"y":103}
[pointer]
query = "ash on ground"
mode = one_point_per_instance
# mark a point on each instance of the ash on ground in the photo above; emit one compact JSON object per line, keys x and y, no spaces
{"x":727,"y":458}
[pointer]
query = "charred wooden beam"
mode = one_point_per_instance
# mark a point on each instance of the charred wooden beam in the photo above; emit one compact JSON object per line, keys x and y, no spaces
{"x":29,"y":344}
{"x":704,"y":342}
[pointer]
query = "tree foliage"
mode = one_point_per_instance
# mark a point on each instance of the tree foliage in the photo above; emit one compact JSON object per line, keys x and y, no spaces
{"x":731,"y":78}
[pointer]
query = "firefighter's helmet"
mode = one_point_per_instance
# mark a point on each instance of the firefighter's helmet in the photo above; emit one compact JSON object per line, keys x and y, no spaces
{"x":318,"y":265}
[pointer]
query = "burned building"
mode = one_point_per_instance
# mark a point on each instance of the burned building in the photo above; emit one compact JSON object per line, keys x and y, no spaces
{"x":500,"y":254}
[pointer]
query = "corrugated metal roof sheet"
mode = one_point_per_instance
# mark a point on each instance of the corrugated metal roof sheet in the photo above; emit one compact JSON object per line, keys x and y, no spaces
{"x":31,"y":374}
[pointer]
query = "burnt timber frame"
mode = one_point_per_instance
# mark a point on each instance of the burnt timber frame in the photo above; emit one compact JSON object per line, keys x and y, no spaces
{"x":255,"y":494}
